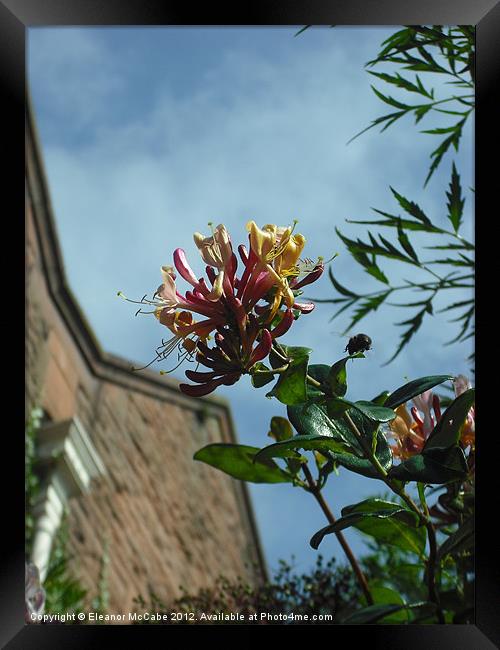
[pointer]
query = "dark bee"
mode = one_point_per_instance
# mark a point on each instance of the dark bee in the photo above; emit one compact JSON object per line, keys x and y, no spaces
{"x":358,"y":343}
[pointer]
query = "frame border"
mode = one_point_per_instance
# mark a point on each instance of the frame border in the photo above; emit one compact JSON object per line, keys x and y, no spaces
{"x":18,"y":15}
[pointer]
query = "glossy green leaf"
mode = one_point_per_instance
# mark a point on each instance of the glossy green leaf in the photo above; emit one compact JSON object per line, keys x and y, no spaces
{"x":381,"y":398}
{"x":374,"y":411}
{"x":336,"y":407}
{"x":356,"y":462}
{"x":319,"y":372}
{"x":459,"y":541}
{"x":280,"y":429}
{"x":337,"y":378}
{"x":383,"y":595}
{"x":295,"y":352}
{"x":447,"y":431}
{"x":291,"y":385}
{"x":261,"y":375}
{"x":311,"y":419}
{"x":358,"y":518}
{"x":237,"y":461}
{"x":362,"y":466}
{"x":436,"y":466}
{"x":415,"y":387}
{"x":285,"y":448}
{"x":402,"y":530}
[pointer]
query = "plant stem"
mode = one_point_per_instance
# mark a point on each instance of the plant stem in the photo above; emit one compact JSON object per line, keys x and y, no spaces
{"x":421,"y":494}
{"x":431,"y":571}
{"x":316,"y":492}
{"x":424,"y":519}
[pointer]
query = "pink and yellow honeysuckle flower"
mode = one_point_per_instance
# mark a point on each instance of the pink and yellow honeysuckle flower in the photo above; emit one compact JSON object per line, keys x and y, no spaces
{"x":410,"y":432}
{"x":424,"y":403}
{"x":167,"y":291}
{"x":461,"y":384}
{"x":242,"y":315}
{"x":407,"y":438}
{"x":217,"y":252}
{"x":276,"y":250}
{"x":285,"y":263}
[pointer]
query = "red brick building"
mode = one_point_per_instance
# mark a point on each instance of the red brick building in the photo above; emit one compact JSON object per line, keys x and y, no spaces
{"x":167,"y":520}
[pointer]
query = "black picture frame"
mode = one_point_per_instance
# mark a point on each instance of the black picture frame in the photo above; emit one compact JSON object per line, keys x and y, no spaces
{"x":18,"y":15}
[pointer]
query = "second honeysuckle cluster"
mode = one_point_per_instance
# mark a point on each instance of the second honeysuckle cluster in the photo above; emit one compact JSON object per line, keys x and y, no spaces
{"x":410,"y":432}
{"x":241,"y":315}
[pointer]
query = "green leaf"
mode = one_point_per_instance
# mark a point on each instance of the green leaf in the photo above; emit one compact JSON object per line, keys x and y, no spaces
{"x":285,"y":448}
{"x":337,"y":377}
{"x":402,"y":530}
{"x":390,"y":100}
{"x":420,"y":111}
{"x":302,"y":30}
{"x":374,"y":411}
{"x":401,"y":82}
{"x":358,"y":516}
{"x":411,"y":208}
{"x":414,"y":325}
{"x":406,"y":244}
{"x":360,"y":251}
{"x":443,"y":147}
{"x":435,"y":466}
{"x":337,"y":406}
{"x":280,"y":429}
{"x":383,"y":595}
{"x":381,"y":398}
{"x":366,"y":306}
{"x":459,"y":541}
{"x":311,"y":419}
{"x":291,"y":353}
{"x":237,"y":461}
{"x":413,"y":388}
{"x":291,"y":385}
{"x":261,"y":375}
{"x":455,"y":200}
{"x":362,"y":466}
{"x":319,"y":372}
{"x":447,"y":431}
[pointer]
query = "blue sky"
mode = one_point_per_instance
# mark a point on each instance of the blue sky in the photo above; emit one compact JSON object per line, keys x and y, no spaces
{"x":150,"y":133}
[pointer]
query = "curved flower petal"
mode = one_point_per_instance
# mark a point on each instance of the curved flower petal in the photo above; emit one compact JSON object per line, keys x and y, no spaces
{"x":215,"y":250}
{"x":262,"y":349}
{"x":262,"y":240}
{"x":182,"y":265}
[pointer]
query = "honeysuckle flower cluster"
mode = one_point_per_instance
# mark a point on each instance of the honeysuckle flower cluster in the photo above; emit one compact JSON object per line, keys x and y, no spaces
{"x":410,"y":430}
{"x":241,"y":316}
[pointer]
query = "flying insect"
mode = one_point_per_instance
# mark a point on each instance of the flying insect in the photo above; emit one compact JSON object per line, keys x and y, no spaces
{"x":358,"y":343}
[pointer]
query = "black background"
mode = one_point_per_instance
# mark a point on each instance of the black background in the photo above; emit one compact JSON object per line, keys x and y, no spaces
{"x":15,"y":17}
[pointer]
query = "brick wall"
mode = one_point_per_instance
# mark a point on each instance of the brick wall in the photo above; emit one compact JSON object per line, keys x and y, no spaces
{"x":167,"y":520}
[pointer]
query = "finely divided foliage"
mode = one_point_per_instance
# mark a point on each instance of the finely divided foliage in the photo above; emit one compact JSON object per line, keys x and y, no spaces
{"x":448,"y":52}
